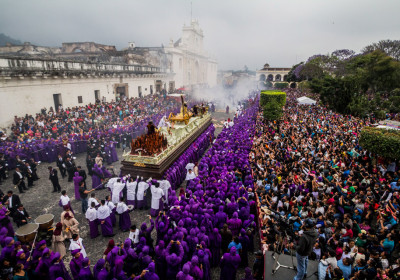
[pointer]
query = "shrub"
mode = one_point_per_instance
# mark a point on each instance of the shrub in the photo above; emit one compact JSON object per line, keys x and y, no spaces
{"x":281,"y":85}
{"x":269,"y":95}
{"x":382,"y":142}
{"x":272,"y":111}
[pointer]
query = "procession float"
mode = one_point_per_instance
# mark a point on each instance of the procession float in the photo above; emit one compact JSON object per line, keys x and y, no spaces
{"x":153,"y":152}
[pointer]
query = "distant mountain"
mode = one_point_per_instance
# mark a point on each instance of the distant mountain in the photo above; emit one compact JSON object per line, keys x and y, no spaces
{"x":4,"y":39}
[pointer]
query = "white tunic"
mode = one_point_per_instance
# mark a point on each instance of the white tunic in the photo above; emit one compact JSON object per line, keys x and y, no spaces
{"x":78,"y":245}
{"x":115,"y":194}
{"x":64,"y":200}
{"x":131,"y":190}
{"x":190,"y":176}
{"x":110,"y":205}
{"x":165,"y":185}
{"x":111,"y":183}
{"x":134,"y":236}
{"x":103,"y":212}
{"x":92,"y":199}
{"x":121,"y":207}
{"x":143,"y":186}
{"x":91,"y":214}
{"x":156,"y":195}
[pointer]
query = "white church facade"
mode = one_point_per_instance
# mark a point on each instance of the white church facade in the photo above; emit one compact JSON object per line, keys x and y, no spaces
{"x":190,"y":63}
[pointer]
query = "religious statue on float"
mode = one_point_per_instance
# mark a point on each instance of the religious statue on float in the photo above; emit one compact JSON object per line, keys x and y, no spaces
{"x":183,"y":116}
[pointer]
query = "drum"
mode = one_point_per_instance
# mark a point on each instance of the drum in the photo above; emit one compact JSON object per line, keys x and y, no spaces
{"x":26,"y":233}
{"x":130,"y":207}
{"x":44,"y":221}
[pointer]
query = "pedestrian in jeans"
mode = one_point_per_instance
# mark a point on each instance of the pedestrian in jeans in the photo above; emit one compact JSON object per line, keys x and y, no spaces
{"x":304,"y":248}
{"x":83,"y":192}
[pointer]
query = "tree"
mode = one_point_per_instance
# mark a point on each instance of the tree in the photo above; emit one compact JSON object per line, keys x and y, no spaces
{"x":389,"y":47}
{"x":376,"y":71}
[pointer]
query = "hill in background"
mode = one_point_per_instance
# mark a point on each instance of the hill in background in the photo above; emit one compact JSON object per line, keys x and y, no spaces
{"x":4,"y":39}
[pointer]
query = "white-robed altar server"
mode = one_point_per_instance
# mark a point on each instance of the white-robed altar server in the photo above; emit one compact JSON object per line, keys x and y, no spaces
{"x":140,"y":196}
{"x":113,"y":209}
{"x":156,"y":198}
{"x":124,"y":218}
{"x":117,"y":190}
{"x":165,"y":185}
{"x":91,"y":215}
{"x":131,"y":191}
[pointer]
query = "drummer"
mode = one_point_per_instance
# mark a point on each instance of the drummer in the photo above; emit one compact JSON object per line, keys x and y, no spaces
{"x":21,"y":217}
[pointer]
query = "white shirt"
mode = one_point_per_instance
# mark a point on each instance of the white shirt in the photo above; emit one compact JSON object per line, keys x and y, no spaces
{"x":78,"y":245}
{"x":10,"y":202}
{"x":64,"y":200}
{"x":91,"y":214}
{"x":121,"y":207}
{"x":134,"y":236}
{"x":103,"y":212}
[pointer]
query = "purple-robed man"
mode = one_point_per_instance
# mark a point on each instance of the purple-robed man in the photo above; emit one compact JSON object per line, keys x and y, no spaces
{"x":229,"y":265}
{"x":184,"y":274}
{"x":57,"y":268}
{"x":77,"y":179}
{"x":85,"y":273}
{"x":76,"y":263}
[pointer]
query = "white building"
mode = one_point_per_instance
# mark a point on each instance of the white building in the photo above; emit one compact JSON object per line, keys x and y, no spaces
{"x":78,"y":73}
{"x":28,"y":85}
{"x":192,"y":65}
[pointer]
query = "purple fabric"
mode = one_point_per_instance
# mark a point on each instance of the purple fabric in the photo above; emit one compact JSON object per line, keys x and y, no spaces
{"x":94,"y":228}
{"x":106,"y":227}
{"x":124,"y":221}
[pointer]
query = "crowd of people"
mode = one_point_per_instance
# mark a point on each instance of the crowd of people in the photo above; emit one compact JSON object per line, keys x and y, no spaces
{"x":50,"y":133}
{"x":315,"y":182}
{"x":209,"y":223}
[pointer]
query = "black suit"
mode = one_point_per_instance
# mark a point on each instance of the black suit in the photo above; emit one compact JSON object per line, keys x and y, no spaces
{"x":14,"y":200}
{"x":70,"y":169}
{"x":54,"y":180}
{"x":19,"y":217}
{"x":29,"y":175}
{"x":61,"y":167}
{"x":19,"y":182}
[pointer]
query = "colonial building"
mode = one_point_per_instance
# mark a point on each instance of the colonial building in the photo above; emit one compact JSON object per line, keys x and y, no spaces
{"x":273,"y":74}
{"x":78,"y":73}
{"x":192,"y":65}
{"x":27,"y":85}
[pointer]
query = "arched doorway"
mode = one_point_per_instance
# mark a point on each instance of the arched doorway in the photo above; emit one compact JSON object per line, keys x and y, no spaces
{"x":293,"y":85}
{"x":285,"y":77}
{"x":278,"y":78}
{"x":270,"y":77}
{"x":262,"y":77}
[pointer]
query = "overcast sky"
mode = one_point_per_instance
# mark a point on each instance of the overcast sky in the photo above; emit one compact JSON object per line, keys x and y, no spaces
{"x":237,"y":32}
